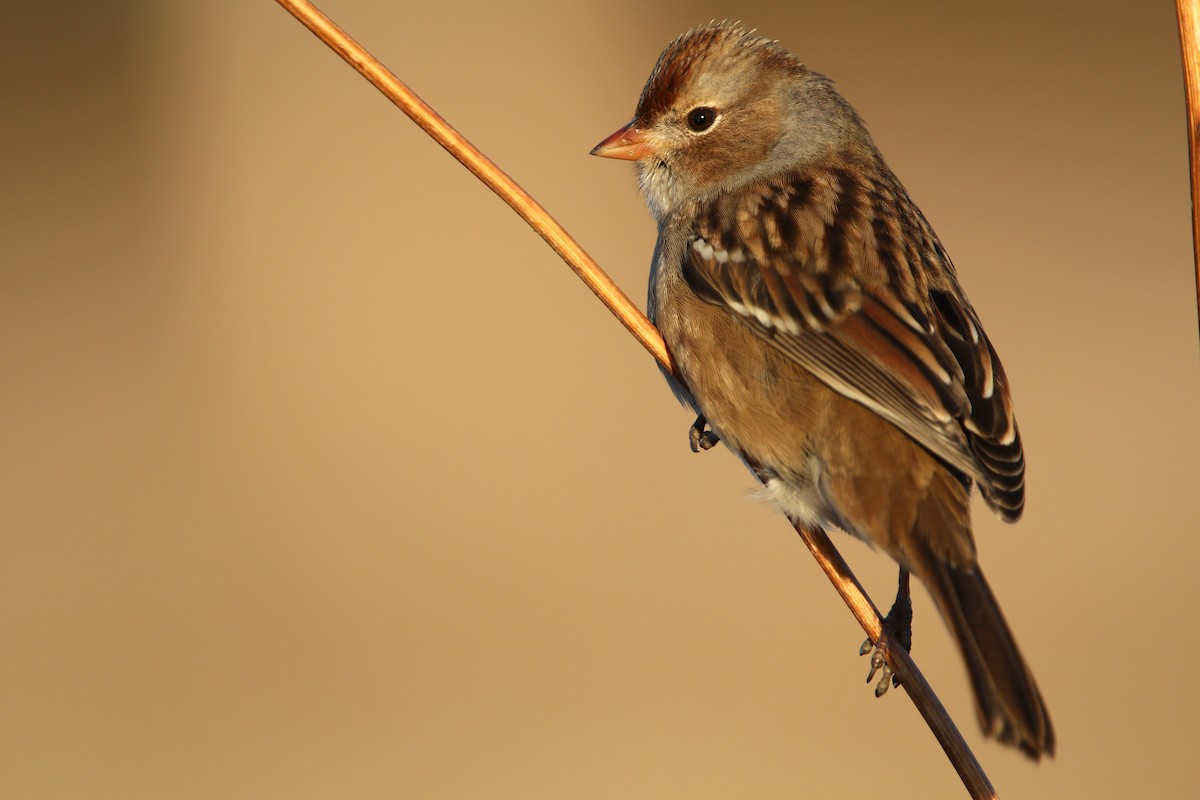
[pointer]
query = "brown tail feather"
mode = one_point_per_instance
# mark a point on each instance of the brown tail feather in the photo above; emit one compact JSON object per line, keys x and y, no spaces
{"x":1007,"y":699}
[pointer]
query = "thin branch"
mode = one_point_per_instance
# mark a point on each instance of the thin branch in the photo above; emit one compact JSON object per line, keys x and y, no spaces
{"x":632,"y":318}
{"x":486,"y":170}
{"x":922,"y":694}
{"x":1189,"y":41}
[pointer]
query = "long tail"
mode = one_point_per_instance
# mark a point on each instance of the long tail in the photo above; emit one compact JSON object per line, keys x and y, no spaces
{"x":1007,"y":699}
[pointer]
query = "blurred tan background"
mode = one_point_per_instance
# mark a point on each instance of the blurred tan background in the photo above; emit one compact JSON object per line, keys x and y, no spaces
{"x":323,"y":477}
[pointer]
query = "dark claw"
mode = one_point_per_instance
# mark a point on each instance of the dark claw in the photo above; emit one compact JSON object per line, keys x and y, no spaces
{"x":879,"y":664}
{"x":700,"y":437}
{"x":897,"y":629}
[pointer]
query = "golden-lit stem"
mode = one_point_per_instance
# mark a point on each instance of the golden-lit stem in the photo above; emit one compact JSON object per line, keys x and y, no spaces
{"x":818,"y":543}
{"x":486,"y":170}
{"x":1189,"y":40}
{"x":911,"y":679}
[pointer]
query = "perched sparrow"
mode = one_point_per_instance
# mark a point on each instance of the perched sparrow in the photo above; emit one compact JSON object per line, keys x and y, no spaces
{"x":817,"y":326}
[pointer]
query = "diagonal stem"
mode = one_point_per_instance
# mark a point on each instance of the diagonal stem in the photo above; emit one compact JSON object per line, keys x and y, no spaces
{"x":911,"y":679}
{"x":486,"y":170}
{"x":631,"y":317}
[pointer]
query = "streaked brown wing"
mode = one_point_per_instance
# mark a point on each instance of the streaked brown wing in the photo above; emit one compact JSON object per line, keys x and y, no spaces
{"x":991,"y":423}
{"x":806,"y":262}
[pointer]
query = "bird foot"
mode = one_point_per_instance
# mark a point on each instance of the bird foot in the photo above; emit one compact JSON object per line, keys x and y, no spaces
{"x":897,"y":630}
{"x":878,"y":651}
{"x":700,"y":437}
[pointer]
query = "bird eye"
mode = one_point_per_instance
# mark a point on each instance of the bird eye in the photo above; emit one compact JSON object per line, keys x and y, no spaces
{"x":701,"y":119}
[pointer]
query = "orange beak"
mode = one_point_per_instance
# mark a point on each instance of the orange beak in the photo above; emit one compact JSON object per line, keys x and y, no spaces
{"x":627,"y":144}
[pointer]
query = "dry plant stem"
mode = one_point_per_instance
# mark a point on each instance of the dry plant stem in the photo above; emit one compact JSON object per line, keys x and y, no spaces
{"x":487,"y":171}
{"x":1189,"y":40}
{"x":912,"y":681}
{"x":617,"y":302}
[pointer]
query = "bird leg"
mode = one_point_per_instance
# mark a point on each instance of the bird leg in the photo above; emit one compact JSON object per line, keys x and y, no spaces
{"x":700,"y":437}
{"x":897,"y":628}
